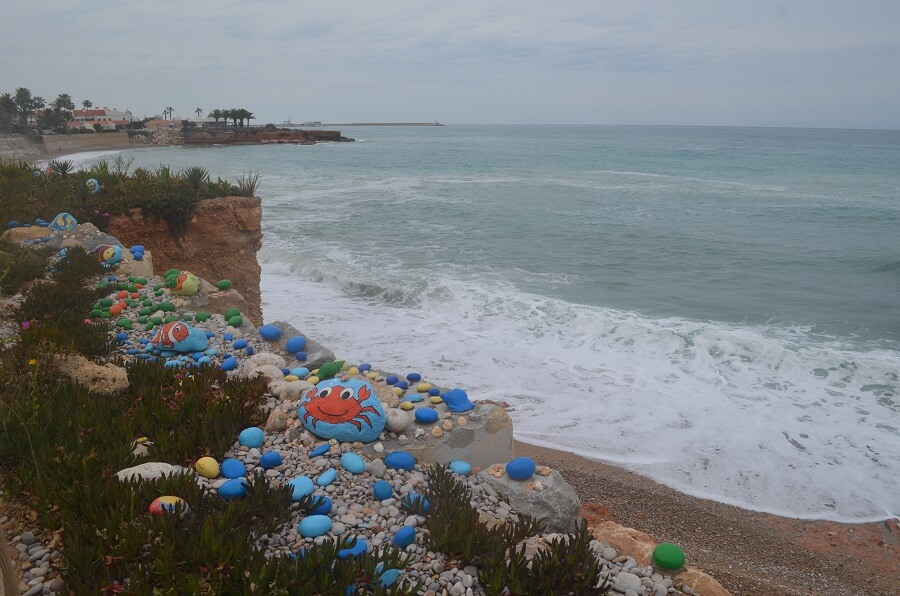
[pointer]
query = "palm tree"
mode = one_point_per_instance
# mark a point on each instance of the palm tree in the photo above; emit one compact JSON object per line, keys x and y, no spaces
{"x":235,"y":114}
{"x":7,"y":112}
{"x":199,"y":112}
{"x":86,"y":104}
{"x":215,"y":115}
{"x":169,"y":110}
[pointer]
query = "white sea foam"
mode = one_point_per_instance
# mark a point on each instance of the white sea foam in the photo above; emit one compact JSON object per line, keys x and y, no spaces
{"x":759,"y":417}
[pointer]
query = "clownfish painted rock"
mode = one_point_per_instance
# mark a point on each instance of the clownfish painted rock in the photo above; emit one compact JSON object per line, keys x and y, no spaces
{"x":64,"y":222}
{"x":179,"y":337}
{"x":108,"y":254}
{"x":343,"y":410}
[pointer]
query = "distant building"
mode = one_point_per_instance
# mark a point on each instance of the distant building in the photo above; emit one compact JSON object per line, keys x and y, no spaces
{"x":103,"y":115}
{"x":160,"y":124}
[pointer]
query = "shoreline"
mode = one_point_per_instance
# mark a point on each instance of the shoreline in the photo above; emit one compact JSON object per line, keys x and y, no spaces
{"x":748,"y":552}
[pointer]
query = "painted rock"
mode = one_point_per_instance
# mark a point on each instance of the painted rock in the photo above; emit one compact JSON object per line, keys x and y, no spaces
{"x":300,"y":372}
{"x":251,"y":437}
{"x":404,"y":537}
{"x":301,"y":486}
{"x":426,"y":415}
{"x":412,"y":501}
{"x":320,"y":450}
{"x":270,"y":459}
{"x":234,"y":489}
{"x":382,"y":490}
{"x":183,"y":283}
{"x":207,"y":467}
{"x":108,"y":254}
{"x":326,"y":477}
{"x":314,"y":526}
{"x":269,"y":332}
{"x":365,"y":366}
{"x":460,"y":467}
{"x":668,"y":556}
{"x":179,"y":337}
{"x":389,"y":578}
{"x":521,"y":468}
{"x":64,"y":222}
{"x":224,"y":284}
{"x":353,"y":463}
{"x":92,"y":185}
{"x":233,"y":468}
{"x":168,"y":504}
{"x":457,"y":400}
{"x":359,"y":548}
{"x":240,"y":344}
{"x":391,"y":379}
{"x":344,"y":410}
{"x":321,"y":505}
{"x":400,"y":460}
{"x":295,"y":344}
{"x":229,"y":363}
{"x":414,"y":377}
{"x":329,"y":369}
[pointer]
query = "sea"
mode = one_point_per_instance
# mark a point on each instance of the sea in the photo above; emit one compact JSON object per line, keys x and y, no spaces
{"x":715,"y":308}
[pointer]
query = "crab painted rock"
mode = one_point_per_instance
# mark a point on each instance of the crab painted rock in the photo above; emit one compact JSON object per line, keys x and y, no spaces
{"x":344,"y":410}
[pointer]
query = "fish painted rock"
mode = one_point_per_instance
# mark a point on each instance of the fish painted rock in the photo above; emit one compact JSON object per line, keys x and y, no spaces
{"x":179,"y":337}
{"x":108,"y":254}
{"x":92,"y":185}
{"x":63,"y":222}
{"x":169,"y":504}
{"x":183,"y":283}
{"x":344,"y":410}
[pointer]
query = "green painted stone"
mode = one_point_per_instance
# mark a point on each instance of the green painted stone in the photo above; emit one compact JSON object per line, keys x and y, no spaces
{"x":224,"y":284}
{"x":668,"y":556}
{"x":156,"y":320}
{"x":131,"y":302}
{"x":172,"y":318}
{"x":159,"y":292}
{"x":104,"y":315}
{"x":187,"y":318}
{"x":166,"y":307}
{"x":139,"y":280}
{"x":157,"y":287}
{"x":147,"y":302}
{"x":201,"y":316}
{"x":103,"y":285}
{"x":122,"y":285}
{"x":145,"y":311}
{"x":149,"y":326}
{"x":106,"y":302}
{"x":231,"y":312}
{"x":171,"y":272}
{"x":142,"y":320}
{"x":236,"y":321}
{"x":329,"y":369}
{"x":124,"y":323}
{"x":132,"y":288}
{"x":95,"y":312}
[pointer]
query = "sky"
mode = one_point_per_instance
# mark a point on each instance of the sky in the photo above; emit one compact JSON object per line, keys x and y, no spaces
{"x":807,"y":63}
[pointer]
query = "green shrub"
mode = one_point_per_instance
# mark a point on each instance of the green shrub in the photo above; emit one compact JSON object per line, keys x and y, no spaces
{"x":19,"y":265}
{"x":77,"y":267}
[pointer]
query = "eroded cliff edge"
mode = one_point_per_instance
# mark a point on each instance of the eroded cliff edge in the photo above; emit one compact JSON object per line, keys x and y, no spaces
{"x":220,"y":242}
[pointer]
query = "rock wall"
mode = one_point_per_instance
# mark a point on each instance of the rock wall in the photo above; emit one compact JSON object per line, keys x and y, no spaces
{"x":84,"y":142}
{"x":258,"y":136}
{"x":221,"y":242}
{"x":18,"y":147}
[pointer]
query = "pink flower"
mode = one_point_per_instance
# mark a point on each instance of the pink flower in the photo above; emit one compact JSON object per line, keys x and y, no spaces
{"x":26,"y":324}
{"x":87,"y":322}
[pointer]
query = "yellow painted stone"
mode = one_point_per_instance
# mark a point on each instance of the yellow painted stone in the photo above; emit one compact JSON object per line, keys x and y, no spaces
{"x":423,"y":387}
{"x":291,"y":378}
{"x":315,"y":372}
{"x":313,"y":379}
{"x":372,"y":375}
{"x":398,"y":391}
{"x":207,"y":467}
{"x":345,"y":366}
{"x":436,"y":399}
{"x":353,"y":370}
{"x":406,"y":406}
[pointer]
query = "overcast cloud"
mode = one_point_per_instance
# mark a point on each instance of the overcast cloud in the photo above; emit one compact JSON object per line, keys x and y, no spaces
{"x":717,"y":62}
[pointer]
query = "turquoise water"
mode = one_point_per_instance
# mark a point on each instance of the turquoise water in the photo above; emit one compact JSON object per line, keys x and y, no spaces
{"x":717,"y":308}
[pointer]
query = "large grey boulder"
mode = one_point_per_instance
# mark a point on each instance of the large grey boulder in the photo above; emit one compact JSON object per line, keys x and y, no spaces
{"x":547,"y":498}
{"x":150,"y":471}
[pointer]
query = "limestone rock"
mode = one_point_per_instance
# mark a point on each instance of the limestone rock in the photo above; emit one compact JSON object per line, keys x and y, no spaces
{"x":262,"y":359}
{"x":150,"y":471}
{"x":486,"y":439}
{"x":272,"y":373}
{"x":701,"y":583}
{"x":385,"y":394}
{"x":21,"y":234}
{"x":397,"y":420}
{"x":277,"y":421}
{"x":130,"y":266}
{"x":554,"y":502}
{"x":209,"y":298}
{"x":316,"y":353}
{"x":105,"y":379}
{"x":294,"y":390}
{"x":626,"y":540}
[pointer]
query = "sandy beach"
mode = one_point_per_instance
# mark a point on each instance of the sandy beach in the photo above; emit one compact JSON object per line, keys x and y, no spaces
{"x":749,"y":553}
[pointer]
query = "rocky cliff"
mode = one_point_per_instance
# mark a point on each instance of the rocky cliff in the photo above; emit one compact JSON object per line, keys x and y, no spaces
{"x":256,"y":136}
{"x":221,"y":242}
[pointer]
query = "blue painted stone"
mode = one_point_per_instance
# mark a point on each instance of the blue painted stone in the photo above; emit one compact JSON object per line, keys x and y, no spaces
{"x":204,"y":360}
{"x":63,"y":222}
{"x":173,"y":364}
{"x":392,"y":379}
{"x":353,"y":463}
{"x":269,"y":332}
{"x":301,"y":486}
{"x":364,"y":367}
{"x":249,"y":351}
{"x":326,"y":477}
{"x":228,"y":336}
{"x":457,"y":400}
{"x":320,"y":450}
{"x":460,"y":467}
{"x":295,"y":344}
{"x":252,"y":437}
{"x":211,"y":351}
{"x":42,"y":224}
{"x":285,"y":371}
{"x":410,"y":501}
{"x":240,"y":344}
{"x":121,"y":336}
{"x":404,"y":537}
{"x":413,"y":398}
{"x":13,"y":224}
{"x":344,"y":410}
{"x":144,"y":340}
{"x":413,"y":377}
{"x":300,"y":371}
{"x":27,"y":225}
{"x":270,"y":459}
{"x":131,"y":351}
{"x":399,"y":460}
{"x":229,"y":363}
{"x":354,"y":551}
{"x":300,"y":356}
{"x":389,"y":578}
{"x":426,"y":415}
{"x":166,"y":353}
{"x":111,"y":277}
{"x":233,"y":489}
{"x":314,"y":526}
{"x":137,"y":248}
{"x":382,"y":490}
{"x":138,"y":256}
{"x":210,"y":335}
{"x":402,"y":384}
{"x":434,"y":391}
{"x":521,"y":468}
{"x":233,"y":468}
{"x":321,"y":505}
